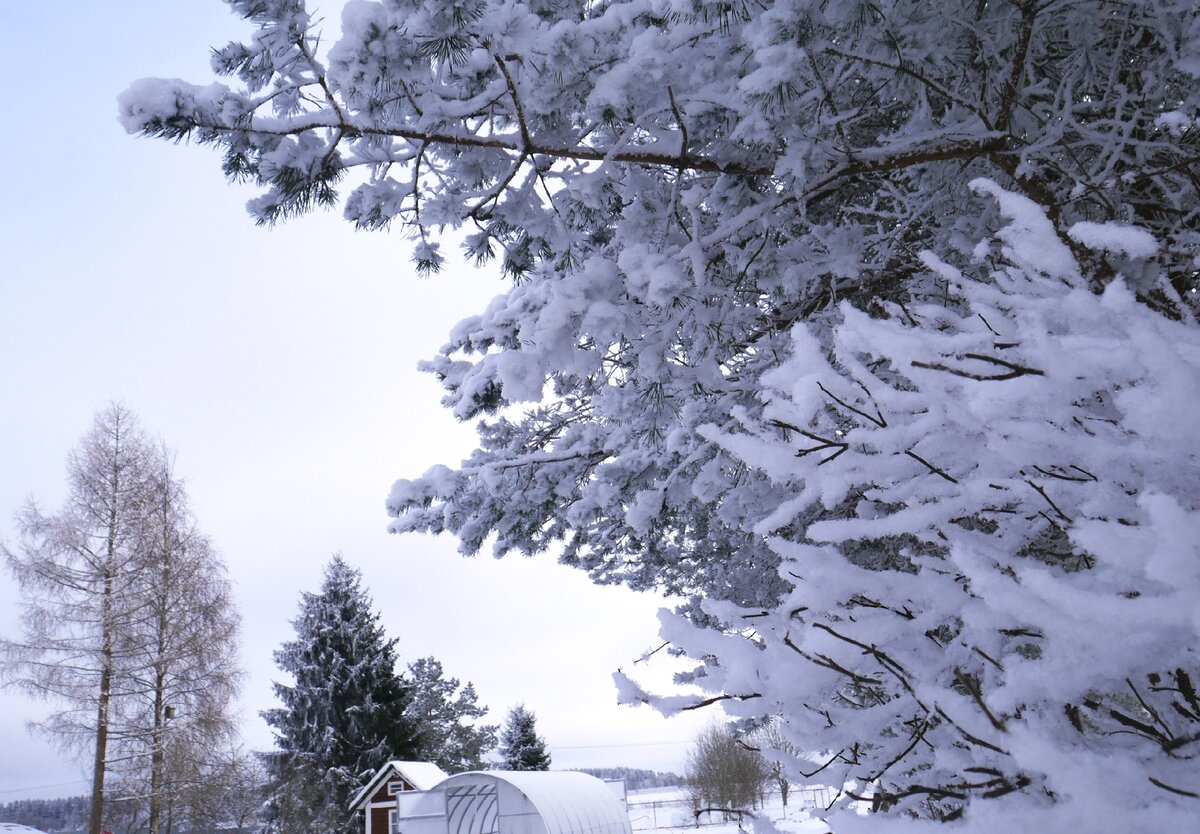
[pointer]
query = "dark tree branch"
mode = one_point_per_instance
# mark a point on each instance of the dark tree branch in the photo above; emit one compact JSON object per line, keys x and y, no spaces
{"x":829,"y":663}
{"x":931,"y":467}
{"x":825,"y":445}
{"x":974,"y":739}
{"x":1042,"y":492}
{"x":877,"y":420}
{"x":917,"y":737}
{"x":683,"y":135}
{"x":708,"y":702}
{"x":1172,"y":789}
{"x":971,"y":685}
{"x":876,"y":161}
{"x":1015,"y":370}
{"x":1062,"y":476}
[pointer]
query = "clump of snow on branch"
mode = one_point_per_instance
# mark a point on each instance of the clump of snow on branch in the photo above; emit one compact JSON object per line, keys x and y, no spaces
{"x":1115,"y":237}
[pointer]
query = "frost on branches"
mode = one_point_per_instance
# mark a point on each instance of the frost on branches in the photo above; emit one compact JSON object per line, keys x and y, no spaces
{"x":729,"y":367}
{"x":997,"y":588}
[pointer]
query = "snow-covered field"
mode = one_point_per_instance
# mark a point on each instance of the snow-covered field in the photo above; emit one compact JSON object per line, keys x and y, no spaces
{"x":670,"y":809}
{"x":13,"y":828}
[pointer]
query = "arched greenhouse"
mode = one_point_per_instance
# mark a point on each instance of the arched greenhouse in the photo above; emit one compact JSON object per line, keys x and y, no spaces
{"x":490,"y":802}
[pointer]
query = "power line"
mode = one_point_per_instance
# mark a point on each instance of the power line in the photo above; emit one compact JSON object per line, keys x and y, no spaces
{"x":600,"y":746}
{"x":40,"y":787}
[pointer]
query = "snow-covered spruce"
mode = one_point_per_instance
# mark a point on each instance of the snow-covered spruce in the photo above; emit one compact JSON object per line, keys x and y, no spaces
{"x":343,"y":716}
{"x":521,"y":748}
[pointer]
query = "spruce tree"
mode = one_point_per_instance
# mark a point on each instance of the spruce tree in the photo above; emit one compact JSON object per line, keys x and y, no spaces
{"x":520,"y":746}
{"x":345,"y":715}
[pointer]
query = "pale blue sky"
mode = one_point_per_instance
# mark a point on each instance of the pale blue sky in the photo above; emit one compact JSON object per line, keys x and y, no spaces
{"x":279,"y":364}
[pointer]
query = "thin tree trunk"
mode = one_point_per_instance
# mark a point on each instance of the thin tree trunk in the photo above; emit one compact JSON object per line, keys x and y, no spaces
{"x":96,"y":818}
{"x":157,"y":757}
{"x":162,"y":601}
{"x":97,"y":812}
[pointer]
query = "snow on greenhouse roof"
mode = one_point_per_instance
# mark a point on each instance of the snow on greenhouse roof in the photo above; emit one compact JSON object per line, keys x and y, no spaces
{"x":421,"y":775}
{"x":568,"y":803}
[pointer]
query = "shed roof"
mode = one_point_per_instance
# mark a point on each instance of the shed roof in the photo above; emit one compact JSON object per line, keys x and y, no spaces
{"x":568,"y":802}
{"x":421,"y":775}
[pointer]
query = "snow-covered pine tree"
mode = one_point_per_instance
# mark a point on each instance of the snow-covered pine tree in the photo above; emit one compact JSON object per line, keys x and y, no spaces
{"x":520,"y":746}
{"x":344,"y":715}
{"x":446,"y":714}
{"x":699,"y":195}
{"x":992,"y":543}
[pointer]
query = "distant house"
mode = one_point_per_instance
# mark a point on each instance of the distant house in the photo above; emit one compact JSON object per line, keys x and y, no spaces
{"x":489,"y":802}
{"x":379,"y":798}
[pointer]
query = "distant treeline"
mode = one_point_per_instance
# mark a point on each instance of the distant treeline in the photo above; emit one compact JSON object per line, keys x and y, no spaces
{"x":635,"y":778}
{"x":53,"y":815}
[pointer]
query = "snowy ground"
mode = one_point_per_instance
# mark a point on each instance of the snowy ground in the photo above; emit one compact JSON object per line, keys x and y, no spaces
{"x":669,"y":809}
{"x":13,"y":828}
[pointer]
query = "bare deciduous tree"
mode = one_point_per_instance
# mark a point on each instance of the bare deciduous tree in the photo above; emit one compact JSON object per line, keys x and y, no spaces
{"x":127,"y":619}
{"x":779,"y":753}
{"x":225,"y":789}
{"x":183,"y":682}
{"x":725,"y":773}
{"x":77,"y":570}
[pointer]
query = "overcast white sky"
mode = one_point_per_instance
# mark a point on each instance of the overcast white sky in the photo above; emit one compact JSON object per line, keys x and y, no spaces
{"x":279,"y":364}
